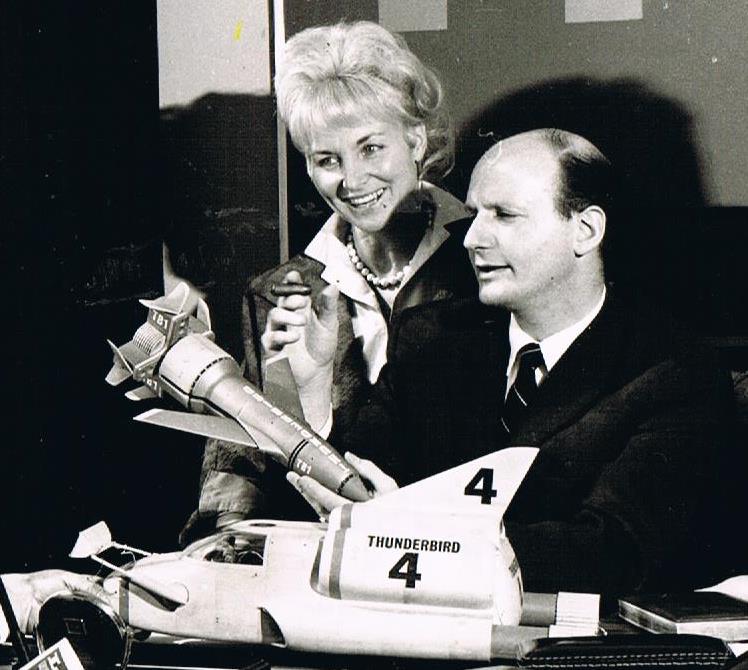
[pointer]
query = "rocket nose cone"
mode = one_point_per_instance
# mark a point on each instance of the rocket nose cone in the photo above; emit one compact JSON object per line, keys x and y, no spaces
{"x":353,"y":489}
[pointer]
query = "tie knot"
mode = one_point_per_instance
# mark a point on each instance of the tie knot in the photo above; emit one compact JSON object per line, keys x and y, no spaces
{"x":525,"y":386}
{"x":530,"y":356}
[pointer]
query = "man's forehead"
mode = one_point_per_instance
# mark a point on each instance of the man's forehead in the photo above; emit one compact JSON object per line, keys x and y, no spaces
{"x":517,"y":156}
{"x":519,"y":148}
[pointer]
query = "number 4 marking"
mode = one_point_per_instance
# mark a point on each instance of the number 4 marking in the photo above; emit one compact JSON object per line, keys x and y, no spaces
{"x":406,"y":568}
{"x":482,"y":485}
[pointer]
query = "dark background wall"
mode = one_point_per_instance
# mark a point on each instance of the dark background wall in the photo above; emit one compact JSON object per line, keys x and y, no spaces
{"x":94,"y":177}
{"x":664,"y":97}
{"x":689,"y":52}
{"x":82,"y":230}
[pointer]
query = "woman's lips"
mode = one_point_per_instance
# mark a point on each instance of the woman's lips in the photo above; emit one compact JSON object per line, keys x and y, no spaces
{"x":367,"y":200}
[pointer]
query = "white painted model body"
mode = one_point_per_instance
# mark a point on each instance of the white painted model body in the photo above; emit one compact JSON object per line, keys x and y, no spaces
{"x":425,"y":571}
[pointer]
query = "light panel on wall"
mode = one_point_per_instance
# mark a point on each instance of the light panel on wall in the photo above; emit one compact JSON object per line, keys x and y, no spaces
{"x":212,"y":47}
{"x":413,"y":15}
{"x":590,"y":11}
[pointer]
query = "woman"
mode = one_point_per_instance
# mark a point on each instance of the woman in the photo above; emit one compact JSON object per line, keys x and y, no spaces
{"x":370,"y":120}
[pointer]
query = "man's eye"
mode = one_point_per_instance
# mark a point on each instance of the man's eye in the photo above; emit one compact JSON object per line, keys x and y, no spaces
{"x":503,"y":214}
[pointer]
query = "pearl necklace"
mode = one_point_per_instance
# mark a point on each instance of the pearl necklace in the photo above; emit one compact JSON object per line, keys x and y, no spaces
{"x":368,"y":275}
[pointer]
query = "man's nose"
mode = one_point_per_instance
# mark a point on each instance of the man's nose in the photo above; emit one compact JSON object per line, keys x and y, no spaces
{"x":476,"y":235}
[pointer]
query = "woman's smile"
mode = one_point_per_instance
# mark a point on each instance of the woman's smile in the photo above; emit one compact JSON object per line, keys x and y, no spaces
{"x":362,"y":201}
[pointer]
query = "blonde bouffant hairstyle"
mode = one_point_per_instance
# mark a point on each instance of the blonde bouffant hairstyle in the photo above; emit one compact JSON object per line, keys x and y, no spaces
{"x":346,"y":73}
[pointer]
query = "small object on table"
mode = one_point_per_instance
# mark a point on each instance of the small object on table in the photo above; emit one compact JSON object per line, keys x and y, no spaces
{"x":701,"y":612}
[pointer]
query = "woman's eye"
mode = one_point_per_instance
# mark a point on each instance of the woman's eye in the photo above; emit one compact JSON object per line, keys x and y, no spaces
{"x":327,"y":162}
{"x":371,"y":149}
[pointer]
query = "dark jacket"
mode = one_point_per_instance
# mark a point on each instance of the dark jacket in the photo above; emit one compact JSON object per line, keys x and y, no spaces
{"x":238,"y":479}
{"x":630,"y":486}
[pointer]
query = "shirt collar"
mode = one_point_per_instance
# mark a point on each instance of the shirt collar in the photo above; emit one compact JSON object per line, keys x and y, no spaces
{"x":554,"y":346}
{"x":328,"y":247}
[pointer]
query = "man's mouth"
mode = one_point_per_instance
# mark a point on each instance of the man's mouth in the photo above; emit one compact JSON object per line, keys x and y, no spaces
{"x":367,"y":200}
{"x":485,"y":268}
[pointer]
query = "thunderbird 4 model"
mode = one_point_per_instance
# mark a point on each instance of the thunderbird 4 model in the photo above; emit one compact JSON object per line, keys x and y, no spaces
{"x":423,"y":571}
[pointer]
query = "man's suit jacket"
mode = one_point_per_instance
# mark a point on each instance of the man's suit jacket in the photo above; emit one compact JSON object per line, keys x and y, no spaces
{"x":629,"y":487}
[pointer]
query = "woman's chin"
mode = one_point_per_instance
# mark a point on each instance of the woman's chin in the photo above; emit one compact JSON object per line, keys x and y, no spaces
{"x":371,"y":222}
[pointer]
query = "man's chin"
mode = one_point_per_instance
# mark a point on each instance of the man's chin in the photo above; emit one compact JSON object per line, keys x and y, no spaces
{"x":492,"y":296}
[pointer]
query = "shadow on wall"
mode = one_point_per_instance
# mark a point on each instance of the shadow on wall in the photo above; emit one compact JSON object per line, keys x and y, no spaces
{"x":219,"y":199}
{"x":655,"y":235}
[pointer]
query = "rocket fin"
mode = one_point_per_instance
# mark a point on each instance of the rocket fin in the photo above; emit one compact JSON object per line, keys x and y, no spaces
{"x":92,"y":540}
{"x":217,"y":427}
{"x":171,"y":304}
{"x":121,"y":369}
{"x":280,"y":386}
{"x":484,"y":485}
{"x":140,"y":393}
{"x":203,"y":313}
{"x":265,"y":444}
{"x":117,"y":375}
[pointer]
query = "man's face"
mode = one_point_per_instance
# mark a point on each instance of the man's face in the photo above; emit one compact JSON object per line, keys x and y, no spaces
{"x":521,"y":248}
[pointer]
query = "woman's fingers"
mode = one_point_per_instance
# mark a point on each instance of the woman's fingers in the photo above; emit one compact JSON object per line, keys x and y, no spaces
{"x":275,"y":340}
{"x":279,"y":318}
{"x":327,"y":307}
{"x":292,"y":277}
{"x":294,"y":302}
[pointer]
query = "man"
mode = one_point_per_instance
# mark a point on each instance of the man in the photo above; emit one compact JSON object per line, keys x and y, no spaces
{"x":630,"y":486}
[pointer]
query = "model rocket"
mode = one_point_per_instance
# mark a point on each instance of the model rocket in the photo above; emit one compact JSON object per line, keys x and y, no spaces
{"x":173,"y":353}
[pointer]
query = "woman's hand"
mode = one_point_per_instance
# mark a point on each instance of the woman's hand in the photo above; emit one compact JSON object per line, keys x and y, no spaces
{"x":323,"y":500}
{"x":306,"y":333}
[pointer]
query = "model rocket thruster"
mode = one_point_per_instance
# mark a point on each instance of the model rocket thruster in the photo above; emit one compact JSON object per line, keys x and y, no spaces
{"x":173,"y":352}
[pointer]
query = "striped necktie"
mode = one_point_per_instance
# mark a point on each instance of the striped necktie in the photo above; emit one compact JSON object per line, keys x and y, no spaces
{"x":523,"y":391}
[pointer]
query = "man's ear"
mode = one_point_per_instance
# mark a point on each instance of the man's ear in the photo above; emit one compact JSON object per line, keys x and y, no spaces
{"x":590,"y":230}
{"x":417,"y":139}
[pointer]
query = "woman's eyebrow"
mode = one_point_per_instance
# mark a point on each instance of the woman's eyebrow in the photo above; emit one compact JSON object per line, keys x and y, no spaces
{"x":368,"y":138}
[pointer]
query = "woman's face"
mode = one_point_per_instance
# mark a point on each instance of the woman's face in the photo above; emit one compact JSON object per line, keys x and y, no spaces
{"x":365,"y":171}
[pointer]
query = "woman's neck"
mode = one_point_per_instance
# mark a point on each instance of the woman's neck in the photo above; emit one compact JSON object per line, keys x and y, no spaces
{"x":387,"y":250}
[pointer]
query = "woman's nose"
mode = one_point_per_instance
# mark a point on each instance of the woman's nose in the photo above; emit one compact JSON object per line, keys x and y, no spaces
{"x":354,"y":175}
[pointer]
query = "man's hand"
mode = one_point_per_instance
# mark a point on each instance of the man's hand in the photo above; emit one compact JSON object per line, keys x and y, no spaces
{"x":323,"y":500}
{"x":27,"y":592}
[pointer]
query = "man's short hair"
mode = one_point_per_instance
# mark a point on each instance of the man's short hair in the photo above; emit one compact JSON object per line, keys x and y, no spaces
{"x":585,"y":174}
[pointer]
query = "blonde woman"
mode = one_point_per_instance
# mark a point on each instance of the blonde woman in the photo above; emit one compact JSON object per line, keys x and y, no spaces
{"x":370,"y":120}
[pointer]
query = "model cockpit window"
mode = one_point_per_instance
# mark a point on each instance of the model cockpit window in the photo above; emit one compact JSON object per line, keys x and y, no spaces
{"x":237,"y":547}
